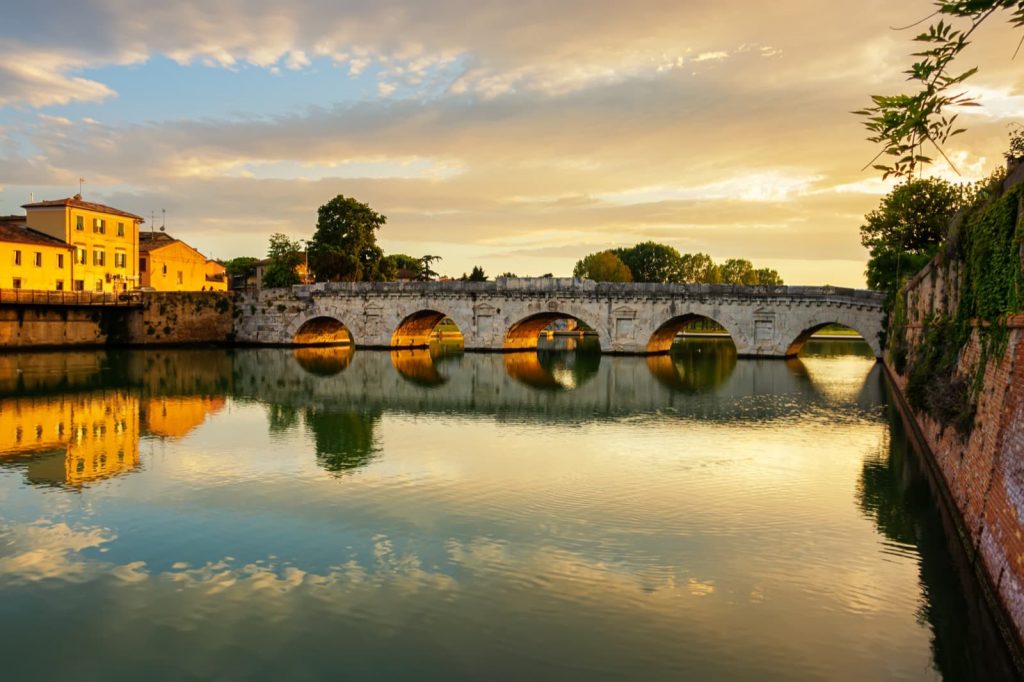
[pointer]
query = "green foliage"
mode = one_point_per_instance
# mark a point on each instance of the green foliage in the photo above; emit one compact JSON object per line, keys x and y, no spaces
{"x":477,"y":275}
{"x":905,"y":231}
{"x":243,"y":266}
{"x":508,"y":274}
{"x":603,"y":266}
{"x":699,"y":268}
{"x":401,"y":261}
{"x":652,"y":262}
{"x":906,"y":125}
{"x":1016,"y":150}
{"x":285,"y":255}
{"x":344,"y":246}
{"x":767,"y":276}
{"x":426,"y":270}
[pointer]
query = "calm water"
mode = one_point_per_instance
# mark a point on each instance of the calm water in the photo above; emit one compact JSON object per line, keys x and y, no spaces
{"x":269,"y":514}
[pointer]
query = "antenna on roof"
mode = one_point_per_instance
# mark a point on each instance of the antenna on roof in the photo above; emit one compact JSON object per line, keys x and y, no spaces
{"x":163,"y":228}
{"x":152,"y":221}
{"x":81,"y":181}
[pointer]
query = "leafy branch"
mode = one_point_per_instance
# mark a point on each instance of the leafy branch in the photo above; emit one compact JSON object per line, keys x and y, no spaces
{"x":909,"y":127}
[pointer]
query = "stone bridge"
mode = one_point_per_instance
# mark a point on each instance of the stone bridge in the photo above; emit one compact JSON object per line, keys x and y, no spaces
{"x":510,"y":313}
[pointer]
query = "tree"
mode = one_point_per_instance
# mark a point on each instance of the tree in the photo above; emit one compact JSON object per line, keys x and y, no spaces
{"x":400,"y":261}
{"x":652,"y":262}
{"x":344,"y":246}
{"x":737,"y":271}
{"x":285,"y":256}
{"x":699,"y":268}
{"x":243,"y":266}
{"x":477,"y":275}
{"x":426,"y":271}
{"x":904,"y":232}
{"x":603,"y":266}
{"x":508,"y":274}
{"x":767,"y":276}
{"x":903,"y":124}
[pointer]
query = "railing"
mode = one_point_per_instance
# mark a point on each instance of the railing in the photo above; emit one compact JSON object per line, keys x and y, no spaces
{"x":69,"y":298}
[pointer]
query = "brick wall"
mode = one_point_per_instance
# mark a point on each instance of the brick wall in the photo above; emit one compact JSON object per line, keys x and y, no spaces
{"x":984,"y":473}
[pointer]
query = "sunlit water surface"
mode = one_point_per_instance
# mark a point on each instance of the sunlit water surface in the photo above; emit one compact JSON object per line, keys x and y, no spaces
{"x":324,"y":514}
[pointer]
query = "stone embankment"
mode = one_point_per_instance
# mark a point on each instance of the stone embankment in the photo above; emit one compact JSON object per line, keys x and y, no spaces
{"x":979,"y":455}
{"x":152,"y":318}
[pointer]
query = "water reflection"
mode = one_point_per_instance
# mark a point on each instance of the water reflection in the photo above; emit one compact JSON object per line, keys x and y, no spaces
{"x":323,"y":361}
{"x":427,"y":366}
{"x":607,"y":529}
{"x":70,"y":441}
{"x":694,"y":365}
{"x":560,"y":362}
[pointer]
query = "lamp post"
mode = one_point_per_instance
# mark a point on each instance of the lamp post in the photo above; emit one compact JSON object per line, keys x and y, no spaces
{"x":305,"y":275}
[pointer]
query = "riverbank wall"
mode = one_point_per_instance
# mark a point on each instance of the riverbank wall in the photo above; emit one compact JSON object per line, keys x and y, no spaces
{"x":969,"y":412}
{"x":150,"y":318}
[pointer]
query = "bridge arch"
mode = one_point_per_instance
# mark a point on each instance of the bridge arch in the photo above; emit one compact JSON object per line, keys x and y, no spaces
{"x":417,"y":366}
{"x":323,"y":361}
{"x":525,"y":333}
{"x":871,"y":336}
{"x":664,"y":336}
{"x":417,"y":329}
{"x":322,"y":330}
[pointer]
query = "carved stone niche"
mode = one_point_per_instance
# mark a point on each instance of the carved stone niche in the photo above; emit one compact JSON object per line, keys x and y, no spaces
{"x":483,"y":318}
{"x":622,"y":321}
{"x":764,"y":328}
{"x":373,"y":313}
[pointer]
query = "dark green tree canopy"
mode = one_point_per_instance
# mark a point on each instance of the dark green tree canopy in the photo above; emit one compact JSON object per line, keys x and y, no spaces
{"x":477,"y":274}
{"x":344,"y":246}
{"x":285,"y":255}
{"x":652,"y":262}
{"x":699,"y":268}
{"x":241,"y":266}
{"x":915,"y":216}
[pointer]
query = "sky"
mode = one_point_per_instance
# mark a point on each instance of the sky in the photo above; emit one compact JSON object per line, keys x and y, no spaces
{"x":514,"y":136}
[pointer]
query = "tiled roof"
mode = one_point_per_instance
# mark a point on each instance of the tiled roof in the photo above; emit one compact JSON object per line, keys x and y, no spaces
{"x":77,"y":202}
{"x":13,"y":219}
{"x":19,"y":233}
{"x":151,"y":241}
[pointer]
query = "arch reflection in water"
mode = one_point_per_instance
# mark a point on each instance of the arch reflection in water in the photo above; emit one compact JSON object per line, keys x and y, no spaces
{"x":695,"y":365}
{"x":671,"y":333}
{"x":848,"y":341}
{"x":426,"y":366}
{"x":559,"y":363}
{"x":324,"y":361}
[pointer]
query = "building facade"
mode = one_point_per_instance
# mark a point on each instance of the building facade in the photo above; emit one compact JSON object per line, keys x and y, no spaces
{"x":30,"y":259}
{"x":169,"y":264}
{"x":105,"y":241}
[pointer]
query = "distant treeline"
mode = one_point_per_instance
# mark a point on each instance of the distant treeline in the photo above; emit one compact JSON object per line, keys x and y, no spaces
{"x":653,"y":262}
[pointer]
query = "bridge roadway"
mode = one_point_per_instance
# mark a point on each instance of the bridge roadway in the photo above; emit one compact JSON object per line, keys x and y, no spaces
{"x":509,"y":313}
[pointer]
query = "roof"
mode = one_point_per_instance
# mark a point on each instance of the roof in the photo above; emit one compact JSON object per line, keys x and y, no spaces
{"x":77,"y":202}
{"x":13,"y":219}
{"x":16,"y":232}
{"x":151,"y":241}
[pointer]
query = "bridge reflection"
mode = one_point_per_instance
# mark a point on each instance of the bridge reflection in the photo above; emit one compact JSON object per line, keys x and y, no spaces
{"x":70,"y":419}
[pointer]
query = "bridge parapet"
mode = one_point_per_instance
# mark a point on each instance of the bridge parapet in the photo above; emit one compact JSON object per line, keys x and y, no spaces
{"x":506,"y":314}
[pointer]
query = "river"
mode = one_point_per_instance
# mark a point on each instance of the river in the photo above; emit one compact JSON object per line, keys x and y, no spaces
{"x":326,"y":513}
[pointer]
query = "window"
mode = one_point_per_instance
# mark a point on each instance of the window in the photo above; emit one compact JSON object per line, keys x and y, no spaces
{"x":142,"y":265}
{"x":79,"y":285}
{"x":99,"y":225}
{"x":60,"y":260}
{"x":180,"y":278}
{"x":120,"y":229}
{"x":165,"y":268}
{"x":60,"y":285}
{"x":80,"y":255}
{"x":120,"y":259}
{"x":38,"y":259}
{"x":99,"y":257}
{"x":80,"y":223}
{"x":99,"y":285}
{"x":17,"y":282}
{"x":17,"y":257}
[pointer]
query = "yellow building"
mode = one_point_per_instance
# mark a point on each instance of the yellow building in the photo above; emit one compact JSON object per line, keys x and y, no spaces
{"x":30,"y":259}
{"x":175,"y":417}
{"x":105,"y":239}
{"x":70,"y":440}
{"x":169,"y":264}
